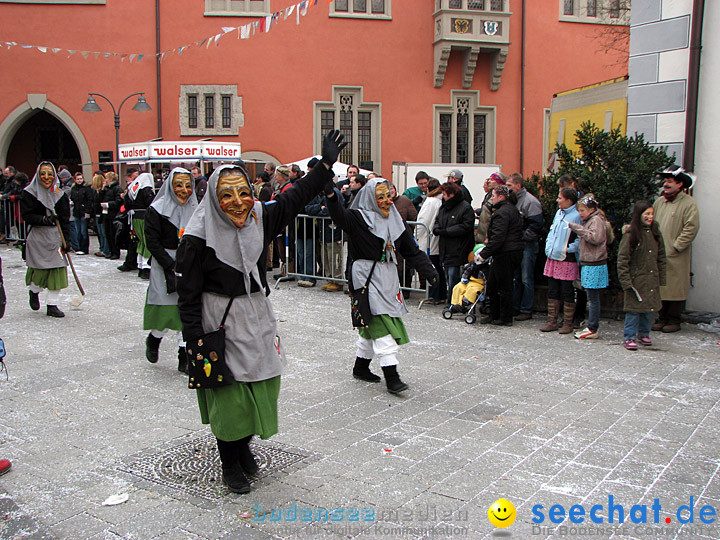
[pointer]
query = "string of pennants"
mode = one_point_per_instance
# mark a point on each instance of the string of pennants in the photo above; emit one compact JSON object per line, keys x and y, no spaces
{"x":262,"y":25}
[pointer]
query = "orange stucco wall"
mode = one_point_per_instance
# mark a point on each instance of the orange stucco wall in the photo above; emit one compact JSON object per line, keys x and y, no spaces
{"x":281,"y":73}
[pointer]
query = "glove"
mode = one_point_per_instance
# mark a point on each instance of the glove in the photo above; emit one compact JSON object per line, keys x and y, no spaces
{"x":49,"y":220}
{"x":434,"y":279}
{"x":66,"y":249}
{"x":332,"y":146}
{"x":465,"y":281}
{"x":170,"y":279}
{"x":329,"y":188}
{"x":418,"y":199}
{"x":438,"y":231}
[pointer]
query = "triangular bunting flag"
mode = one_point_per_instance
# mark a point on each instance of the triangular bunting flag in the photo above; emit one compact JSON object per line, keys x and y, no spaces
{"x":210,"y":40}
{"x":262,"y":25}
{"x":140,"y":57}
{"x":84,"y":54}
{"x":97,"y":55}
{"x":26,"y":46}
{"x":71,"y":51}
{"x":55,"y":50}
{"x":227,"y":29}
{"x":132,"y":57}
{"x":245,"y":31}
{"x":202,"y":42}
{"x":217,"y":39}
{"x":42,"y":49}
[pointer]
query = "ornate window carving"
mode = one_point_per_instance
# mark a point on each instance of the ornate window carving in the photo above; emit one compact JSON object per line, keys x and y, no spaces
{"x":358,"y":121}
{"x":464,"y":130}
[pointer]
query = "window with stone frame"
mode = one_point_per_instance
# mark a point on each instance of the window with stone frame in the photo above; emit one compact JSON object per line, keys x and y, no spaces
{"x":237,"y":8}
{"x":614,"y":12}
{"x":358,"y":121}
{"x":465,"y":131}
{"x":207,"y":110}
{"x":369,"y":9}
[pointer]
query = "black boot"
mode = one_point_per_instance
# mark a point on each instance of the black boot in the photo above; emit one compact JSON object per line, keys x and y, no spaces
{"x":182,"y":360}
{"x":152,"y":348}
{"x":232,"y":475}
{"x":53,"y":311}
{"x":392,"y":380}
{"x":34,"y":301}
{"x":247,"y":459}
{"x":362,"y":370}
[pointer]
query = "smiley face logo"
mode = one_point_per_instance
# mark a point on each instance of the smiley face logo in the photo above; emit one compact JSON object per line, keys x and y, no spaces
{"x":501,"y":513}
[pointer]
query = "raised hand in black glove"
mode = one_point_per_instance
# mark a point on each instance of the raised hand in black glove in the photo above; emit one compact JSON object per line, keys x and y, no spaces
{"x":332,"y":146}
{"x":49,"y":220}
{"x":329,"y":188}
{"x":170,"y":279}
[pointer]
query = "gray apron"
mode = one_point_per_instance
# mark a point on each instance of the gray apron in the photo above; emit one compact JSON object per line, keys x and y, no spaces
{"x":157,"y":288}
{"x":384,"y":291}
{"x":253,"y":350}
{"x":42,"y":248}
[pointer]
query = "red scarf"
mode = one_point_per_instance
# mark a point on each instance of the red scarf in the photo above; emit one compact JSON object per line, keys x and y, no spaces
{"x":670,"y":198}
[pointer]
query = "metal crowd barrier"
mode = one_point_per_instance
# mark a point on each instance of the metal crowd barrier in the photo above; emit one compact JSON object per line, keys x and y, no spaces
{"x":333,"y":253}
{"x":11,"y":224}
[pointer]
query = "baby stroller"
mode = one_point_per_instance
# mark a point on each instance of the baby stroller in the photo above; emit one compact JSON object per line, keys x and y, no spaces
{"x":471,"y":308}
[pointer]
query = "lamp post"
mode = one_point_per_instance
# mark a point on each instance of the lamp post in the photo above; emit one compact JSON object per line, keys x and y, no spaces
{"x":92,"y":107}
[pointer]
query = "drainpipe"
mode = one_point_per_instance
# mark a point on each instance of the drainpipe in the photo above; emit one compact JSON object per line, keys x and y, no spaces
{"x":157,"y":68}
{"x":693,"y":84}
{"x":522,"y":95}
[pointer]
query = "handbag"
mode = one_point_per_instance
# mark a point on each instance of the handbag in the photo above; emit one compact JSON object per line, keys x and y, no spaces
{"x":206,"y":358}
{"x":360,"y":303}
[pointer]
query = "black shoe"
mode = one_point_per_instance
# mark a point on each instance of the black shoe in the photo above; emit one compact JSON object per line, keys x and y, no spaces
{"x":486,"y":320}
{"x":114,"y":257}
{"x":362,"y":370}
{"x":500,"y":322}
{"x":232,"y":474}
{"x":53,"y":311}
{"x":182,"y":360}
{"x":152,"y":348}
{"x":34,"y":301}
{"x":392,"y":380}
{"x":247,"y":459}
{"x":124,"y":267}
{"x":144,"y":273}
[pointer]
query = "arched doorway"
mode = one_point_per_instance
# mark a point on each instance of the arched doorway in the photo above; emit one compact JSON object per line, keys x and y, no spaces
{"x":43,"y":137}
{"x":53,"y":131}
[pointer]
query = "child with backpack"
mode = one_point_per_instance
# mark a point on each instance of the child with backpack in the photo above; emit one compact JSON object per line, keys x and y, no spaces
{"x":641,"y":270}
{"x":595,"y":233}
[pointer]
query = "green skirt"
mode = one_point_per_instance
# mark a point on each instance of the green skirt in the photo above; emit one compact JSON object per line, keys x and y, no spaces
{"x":382,"y":325}
{"x":138,"y":226}
{"x":161,"y":317}
{"x":241,"y":409}
{"x":52,"y":279}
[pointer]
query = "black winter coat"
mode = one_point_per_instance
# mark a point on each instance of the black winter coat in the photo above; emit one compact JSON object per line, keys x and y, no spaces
{"x":142,"y":202}
{"x":505,"y":231}
{"x":454,"y":225}
{"x":82,"y":199}
{"x":112,"y":195}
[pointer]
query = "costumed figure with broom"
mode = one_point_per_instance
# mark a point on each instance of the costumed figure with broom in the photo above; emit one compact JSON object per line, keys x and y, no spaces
{"x":47,"y":210}
{"x":164,"y":225}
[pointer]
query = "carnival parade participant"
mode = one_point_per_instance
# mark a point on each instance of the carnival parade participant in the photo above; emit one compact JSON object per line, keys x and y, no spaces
{"x":164,"y":224}
{"x":377,"y":234}
{"x":221,"y":269}
{"x":139,"y":196}
{"x":43,"y":206}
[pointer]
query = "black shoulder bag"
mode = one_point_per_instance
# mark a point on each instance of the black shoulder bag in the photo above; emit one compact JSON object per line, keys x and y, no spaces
{"x":360,"y":303}
{"x":206,"y":358}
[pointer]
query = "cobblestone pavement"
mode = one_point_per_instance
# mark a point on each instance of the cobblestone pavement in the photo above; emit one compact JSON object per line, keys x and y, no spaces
{"x":534,"y":418}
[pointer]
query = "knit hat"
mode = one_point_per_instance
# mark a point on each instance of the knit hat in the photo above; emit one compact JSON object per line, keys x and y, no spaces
{"x":500,"y":178}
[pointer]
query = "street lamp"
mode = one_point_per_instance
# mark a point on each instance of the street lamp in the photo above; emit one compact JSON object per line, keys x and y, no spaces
{"x":92,"y":107}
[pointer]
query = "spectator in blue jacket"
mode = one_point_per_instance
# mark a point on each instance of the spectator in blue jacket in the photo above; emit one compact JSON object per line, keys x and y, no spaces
{"x":561,"y":267}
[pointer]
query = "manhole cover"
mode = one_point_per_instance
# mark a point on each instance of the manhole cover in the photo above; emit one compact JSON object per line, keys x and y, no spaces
{"x":193,"y":467}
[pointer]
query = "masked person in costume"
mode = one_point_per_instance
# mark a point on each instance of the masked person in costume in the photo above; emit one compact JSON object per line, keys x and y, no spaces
{"x":164,"y":225}
{"x":42,"y":206}
{"x":377,"y":234}
{"x":221,"y":265}
{"x":139,"y":196}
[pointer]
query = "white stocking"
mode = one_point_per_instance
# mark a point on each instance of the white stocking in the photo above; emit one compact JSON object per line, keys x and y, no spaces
{"x":53,"y":297}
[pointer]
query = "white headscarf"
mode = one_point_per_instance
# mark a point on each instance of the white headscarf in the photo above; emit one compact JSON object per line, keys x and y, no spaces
{"x":48,"y":197}
{"x":238,"y":247}
{"x":168,"y":205}
{"x":141,"y":182}
{"x":388,"y":228}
